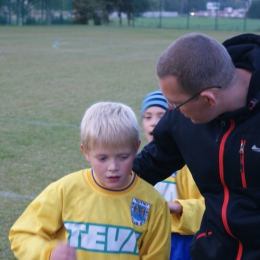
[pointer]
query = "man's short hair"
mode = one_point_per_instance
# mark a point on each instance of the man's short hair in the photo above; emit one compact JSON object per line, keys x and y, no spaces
{"x":109,"y":124}
{"x":197,"y":61}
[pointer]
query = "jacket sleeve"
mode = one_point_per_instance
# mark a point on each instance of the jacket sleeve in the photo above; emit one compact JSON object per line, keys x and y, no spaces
{"x":161,"y":157}
{"x":156,"y":244}
{"x":33,"y":235}
{"x":192,"y":202}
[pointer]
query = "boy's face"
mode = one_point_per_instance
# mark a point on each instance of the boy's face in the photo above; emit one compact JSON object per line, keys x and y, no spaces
{"x":112,"y":166}
{"x":151,"y":117}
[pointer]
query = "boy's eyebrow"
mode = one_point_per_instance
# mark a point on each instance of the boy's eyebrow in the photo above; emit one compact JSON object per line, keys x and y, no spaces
{"x":96,"y":154}
{"x":161,"y":112}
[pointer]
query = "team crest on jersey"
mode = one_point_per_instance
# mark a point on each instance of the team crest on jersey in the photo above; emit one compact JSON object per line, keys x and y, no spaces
{"x":139,"y":211}
{"x":174,"y":175}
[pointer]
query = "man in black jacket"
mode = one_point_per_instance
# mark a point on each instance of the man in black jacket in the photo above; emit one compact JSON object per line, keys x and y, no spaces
{"x":213,"y":126}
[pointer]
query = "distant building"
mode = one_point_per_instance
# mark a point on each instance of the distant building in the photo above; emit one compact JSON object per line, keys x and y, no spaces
{"x":212,"y":6}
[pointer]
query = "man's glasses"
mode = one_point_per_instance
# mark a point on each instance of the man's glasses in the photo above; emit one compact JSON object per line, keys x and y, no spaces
{"x":173,"y":107}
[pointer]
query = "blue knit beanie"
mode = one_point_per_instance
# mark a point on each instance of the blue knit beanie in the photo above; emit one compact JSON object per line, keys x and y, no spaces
{"x":153,"y":99}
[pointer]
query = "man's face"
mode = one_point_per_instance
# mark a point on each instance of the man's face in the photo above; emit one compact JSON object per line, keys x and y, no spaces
{"x":197,"y":109}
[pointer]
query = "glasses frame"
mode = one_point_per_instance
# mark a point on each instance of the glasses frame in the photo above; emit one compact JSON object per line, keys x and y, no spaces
{"x":173,"y":107}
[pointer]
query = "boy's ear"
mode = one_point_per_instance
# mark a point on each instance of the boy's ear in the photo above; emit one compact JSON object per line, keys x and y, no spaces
{"x":82,"y":149}
{"x":84,"y":152}
{"x":209,"y":97}
{"x":138,"y":146}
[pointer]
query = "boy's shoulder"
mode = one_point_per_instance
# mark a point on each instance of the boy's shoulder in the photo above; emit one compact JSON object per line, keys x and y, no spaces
{"x":149,"y":190}
{"x":69,"y":180}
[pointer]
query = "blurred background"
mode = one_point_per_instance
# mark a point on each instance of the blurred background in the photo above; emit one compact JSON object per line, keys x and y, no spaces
{"x":239,"y":15}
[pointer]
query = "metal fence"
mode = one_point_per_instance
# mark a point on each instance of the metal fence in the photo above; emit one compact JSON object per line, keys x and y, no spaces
{"x":199,"y":23}
{"x":144,"y":13}
{"x":193,"y":14}
{"x":35,"y":12}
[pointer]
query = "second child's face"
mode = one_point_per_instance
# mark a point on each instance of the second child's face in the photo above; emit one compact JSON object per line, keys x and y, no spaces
{"x":112,"y":166}
{"x":151,"y":117}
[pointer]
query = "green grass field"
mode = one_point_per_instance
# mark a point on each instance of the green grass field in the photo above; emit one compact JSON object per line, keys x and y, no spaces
{"x":45,"y":89}
{"x":197,"y":23}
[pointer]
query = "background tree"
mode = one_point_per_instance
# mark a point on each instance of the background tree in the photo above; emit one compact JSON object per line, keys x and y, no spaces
{"x":254,"y":10}
{"x":19,"y":12}
{"x":97,"y":10}
{"x":232,"y":3}
{"x":182,"y":6}
{"x":108,"y":7}
{"x":141,"y":6}
{"x":83,"y":10}
{"x":198,"y":5}
{"x":127,"y":8}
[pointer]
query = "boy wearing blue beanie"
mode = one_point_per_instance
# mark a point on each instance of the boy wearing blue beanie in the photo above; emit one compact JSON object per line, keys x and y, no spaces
{"x":184,"y":199}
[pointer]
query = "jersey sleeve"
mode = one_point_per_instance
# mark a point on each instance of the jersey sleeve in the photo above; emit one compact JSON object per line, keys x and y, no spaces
{"x":156,"y":244}
{"x":192,"y":202}
{"x":33,"y":235}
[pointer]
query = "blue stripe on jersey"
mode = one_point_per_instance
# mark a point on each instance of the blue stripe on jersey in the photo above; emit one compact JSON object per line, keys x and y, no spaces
{"x":102,"y":187}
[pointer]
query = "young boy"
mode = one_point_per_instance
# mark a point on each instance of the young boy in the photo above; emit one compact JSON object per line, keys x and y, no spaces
{"x":106,"y":212}
{"x":184,"y":199}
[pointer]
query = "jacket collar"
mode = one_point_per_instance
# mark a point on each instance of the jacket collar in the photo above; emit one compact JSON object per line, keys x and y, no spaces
{"x":245,"y":52}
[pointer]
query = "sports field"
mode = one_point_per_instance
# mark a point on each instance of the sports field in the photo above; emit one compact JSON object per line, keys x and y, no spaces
{"x":198,"y":23}
{"x":49,"y":76}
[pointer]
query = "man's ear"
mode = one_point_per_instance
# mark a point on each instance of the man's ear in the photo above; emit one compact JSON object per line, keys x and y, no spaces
{"x":209,"y":97}
{"x":84,"y":152}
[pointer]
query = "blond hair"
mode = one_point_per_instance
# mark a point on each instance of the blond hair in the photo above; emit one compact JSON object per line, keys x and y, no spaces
{"x":197,"y":61}
{"x":109,"y":124}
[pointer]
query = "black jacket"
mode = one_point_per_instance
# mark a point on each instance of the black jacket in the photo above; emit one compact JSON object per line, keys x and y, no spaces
{"x":224,"y":159}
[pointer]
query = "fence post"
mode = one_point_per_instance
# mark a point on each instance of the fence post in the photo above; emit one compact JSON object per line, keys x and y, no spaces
{"x":133,"y":14}
{"x":9,"y":12}
{"x":245,"y":22}
{"x":216,"y":20}
{"x":247,"y":5}
{"x":160,"y":16}
{"x":188,"y":16}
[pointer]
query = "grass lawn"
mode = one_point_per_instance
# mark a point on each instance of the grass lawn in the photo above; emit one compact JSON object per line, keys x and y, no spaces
{"x":49,"y":76}
{"x":197,"y":23}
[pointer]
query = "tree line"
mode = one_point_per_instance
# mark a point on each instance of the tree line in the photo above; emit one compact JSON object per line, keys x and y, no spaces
{"x":99,"y":11}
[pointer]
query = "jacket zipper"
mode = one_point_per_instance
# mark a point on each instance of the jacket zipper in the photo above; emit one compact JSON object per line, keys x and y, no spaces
{"x":225,"y":188}
{"x":204,"y":234}
{"x":242,"y":163}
